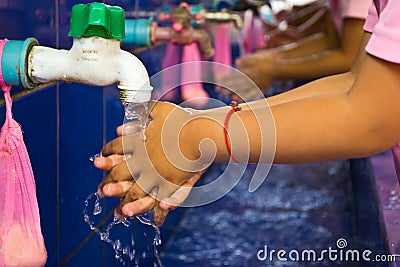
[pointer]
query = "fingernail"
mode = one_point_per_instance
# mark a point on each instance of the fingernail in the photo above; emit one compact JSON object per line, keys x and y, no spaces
{"x":167,"y":206}
{"x":100,"y":192}
{"x":109,"y":190}
{"x":127,"y":129}
{"x":127,"y":211}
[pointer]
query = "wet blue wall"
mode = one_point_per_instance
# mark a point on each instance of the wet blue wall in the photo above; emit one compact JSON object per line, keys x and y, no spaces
{"x":63,"y":125}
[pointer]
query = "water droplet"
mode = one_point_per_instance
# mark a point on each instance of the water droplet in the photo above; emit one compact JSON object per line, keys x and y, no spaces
{"x":332,"y":171}
{"x":143,"y":136}
{"x":102,"y":236}
{"x":93,"y":157}
{"x":97,"y":207}
{"x":139,"y":112}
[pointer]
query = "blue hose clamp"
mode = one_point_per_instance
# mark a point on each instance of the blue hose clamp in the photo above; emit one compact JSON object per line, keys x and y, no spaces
{"x":194,"y":9}
{"x":138,"y":32}
{"x":14,"y":63}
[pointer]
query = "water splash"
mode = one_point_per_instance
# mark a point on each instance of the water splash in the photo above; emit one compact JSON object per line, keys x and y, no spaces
{"x":97,"y":206}
{"x":393,"y":200}
{"x":93,"y":157}
{"x":137,"y":112}
{"x":124,"y":252}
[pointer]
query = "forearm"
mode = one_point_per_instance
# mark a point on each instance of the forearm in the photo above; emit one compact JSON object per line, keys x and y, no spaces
{"x":306,"y":47}
{"x":357,"y":123}
{"x":345,"y":124}
{"x":340,"y":83}
{"x":318,"y":64}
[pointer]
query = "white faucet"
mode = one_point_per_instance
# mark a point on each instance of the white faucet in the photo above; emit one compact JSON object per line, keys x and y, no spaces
{"x":95,"y":61}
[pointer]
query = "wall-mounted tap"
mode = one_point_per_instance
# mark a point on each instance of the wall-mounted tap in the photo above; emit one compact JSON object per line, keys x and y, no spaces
{"x":201,"y":15}
{"x":95,"y":57}
{"x":147,"y":32}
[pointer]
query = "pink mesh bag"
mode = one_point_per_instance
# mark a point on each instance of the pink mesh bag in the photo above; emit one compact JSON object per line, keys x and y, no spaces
{"x":21,"y":240}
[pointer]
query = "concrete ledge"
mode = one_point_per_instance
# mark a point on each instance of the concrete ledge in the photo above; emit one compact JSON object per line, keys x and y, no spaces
{"x":387,"y":191}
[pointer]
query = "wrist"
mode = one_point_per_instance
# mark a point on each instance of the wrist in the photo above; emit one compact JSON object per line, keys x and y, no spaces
{"x":216,"y":136}
{"x":192,"y":135}
{"x":203,"y":136}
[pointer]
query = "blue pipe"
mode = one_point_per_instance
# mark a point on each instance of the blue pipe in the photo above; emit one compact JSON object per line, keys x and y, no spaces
{"x":14,"y":63}
{"x":138,"y":32}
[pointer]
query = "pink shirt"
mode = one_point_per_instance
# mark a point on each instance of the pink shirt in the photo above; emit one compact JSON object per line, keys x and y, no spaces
{"x":384,"y":24}
{"x":385,"y":29}
{"x":349,"y":9}
{"x":354,"y":8}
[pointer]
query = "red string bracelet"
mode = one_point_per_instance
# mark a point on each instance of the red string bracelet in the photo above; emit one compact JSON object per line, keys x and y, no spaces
{"x":234,"y":107}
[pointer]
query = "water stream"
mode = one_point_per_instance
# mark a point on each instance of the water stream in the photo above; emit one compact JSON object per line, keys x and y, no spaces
{"x":123,"y":241}
{"x":124,"y":245}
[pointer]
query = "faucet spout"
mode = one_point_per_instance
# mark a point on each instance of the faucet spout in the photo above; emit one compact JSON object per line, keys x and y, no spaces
{"x":224,"y":16}
{"x":94,"y":61}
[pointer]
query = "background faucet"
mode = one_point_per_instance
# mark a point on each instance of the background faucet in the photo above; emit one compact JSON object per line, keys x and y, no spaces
{"x":95,"y":57}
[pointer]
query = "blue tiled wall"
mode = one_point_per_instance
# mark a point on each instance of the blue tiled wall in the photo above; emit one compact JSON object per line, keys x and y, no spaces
{"x":63,"y":125}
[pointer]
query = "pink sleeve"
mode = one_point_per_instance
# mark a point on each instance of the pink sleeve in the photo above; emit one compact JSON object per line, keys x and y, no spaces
{"x":372,"y":19}
{"x":385,"y":39}
{"x":355,"y":8}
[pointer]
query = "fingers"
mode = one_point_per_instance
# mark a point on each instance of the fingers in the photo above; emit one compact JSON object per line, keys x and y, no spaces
{"x":129,"y":128}
{"x":117,"y":189}
{"x":113,"y":147}
{"x":143,"y":205}
{"x":138,"y":201}
{"x":159,"y":214}
{"x":120,"y":145}
{"x":118,"y":173}
{"x":177,"y":198}
{"x":107,"y":163}
{"x":140,"y":206}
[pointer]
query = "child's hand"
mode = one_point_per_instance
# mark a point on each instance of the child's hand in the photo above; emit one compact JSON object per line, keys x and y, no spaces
{"x":251,"y":81}
{"x":259,"y":68}
{"x":159,"y":169}
{"x":241,"y":88}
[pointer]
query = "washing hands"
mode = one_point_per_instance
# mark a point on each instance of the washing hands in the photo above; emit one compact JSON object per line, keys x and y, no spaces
{"x":148,"y":173}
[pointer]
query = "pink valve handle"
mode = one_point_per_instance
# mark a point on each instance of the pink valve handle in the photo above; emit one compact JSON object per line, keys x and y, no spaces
{"x":192,"y":87}
{"x":259,"y":34}
{"x":223,"y":52}
{"x":248,"y":28}
{"x":170,"y":74}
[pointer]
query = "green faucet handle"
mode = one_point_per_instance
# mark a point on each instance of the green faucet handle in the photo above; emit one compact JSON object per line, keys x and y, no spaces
{"x":97,"y":19}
